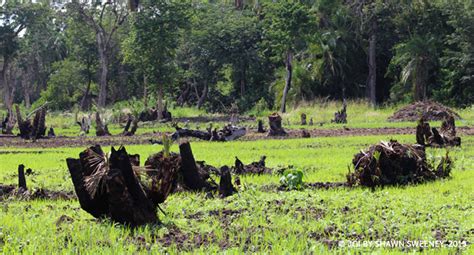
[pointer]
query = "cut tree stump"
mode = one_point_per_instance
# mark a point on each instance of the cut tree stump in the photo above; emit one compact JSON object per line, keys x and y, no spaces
{"x":133,"y":122}
{"x":257,"y":167}
{"x":225,"y":185}
{"x":110,"y":187}
{"x":21,"y":177}
{"x":432,"y":137}
{"x":260,"y":128}
{"x":341,"y":116}
{"x":101,"y":129}
{"x":189,"y":170}
{"x":35,"y":130}
{"x":276,"y":128}
{"x":303,"y":119}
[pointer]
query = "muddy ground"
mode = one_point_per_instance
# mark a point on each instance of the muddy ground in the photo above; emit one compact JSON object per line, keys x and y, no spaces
{"x":251,"y":135}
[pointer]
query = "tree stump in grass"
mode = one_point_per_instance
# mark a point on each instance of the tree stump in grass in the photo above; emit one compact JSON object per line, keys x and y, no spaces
{"x":276,"y":128}
{"x":303,"y":119}
{"x":109,"y":187}
{"x":225,"y":185}
{"x":101,"y":129}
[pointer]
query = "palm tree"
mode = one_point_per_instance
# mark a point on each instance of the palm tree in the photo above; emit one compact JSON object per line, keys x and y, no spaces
{"x":416,"y":57}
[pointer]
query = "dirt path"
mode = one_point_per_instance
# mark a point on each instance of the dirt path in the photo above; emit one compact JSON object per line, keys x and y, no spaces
{"x":251,"y":135}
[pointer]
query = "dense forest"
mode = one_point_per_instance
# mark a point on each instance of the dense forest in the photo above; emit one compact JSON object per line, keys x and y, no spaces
{"x":220,"y":54}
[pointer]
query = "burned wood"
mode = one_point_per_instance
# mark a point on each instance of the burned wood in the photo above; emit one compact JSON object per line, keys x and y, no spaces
{"x":133,"y":122}
{"x":51,"y":133}
{"x":101,"y":129}
{"x":303,"y":119}
{"x":257,"y":167}
{"x":276,"y":128}
{"x":260,"y":128}
{"x":189,"y":170}
{"x":393,"y":163}
{"x":341,"y":116}
{"x":21,"y":177}
{"x":225,"y":185}
{"x":431,"y":137}
{"x":35,"y":130}
{"x":111,"y":187}
{"x":227,"y":133}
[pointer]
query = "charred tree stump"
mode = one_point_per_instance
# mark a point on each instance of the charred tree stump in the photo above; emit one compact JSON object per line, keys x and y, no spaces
{"x":191,"y":177}
{"x":133,"y":122}
{"x":101,"y":129}
{"x":39,"y":124}
{"x":51,"y":133}
{"x":257,"y":167}
{"x":24,"y":126}
{"x":431,"y":137}
{"x":276,"y":128}
{"x":260,"y":128}
{"x":111,"y":189}
{"x":225,"y":185}
{"x":21,"y":177}
{"x":303,"y":119}
{"x":340,"y":117}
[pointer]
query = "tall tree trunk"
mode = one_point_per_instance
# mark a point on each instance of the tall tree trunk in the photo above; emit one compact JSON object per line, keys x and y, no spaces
{"x":26,"y":94}
{"x":420,"y":79}
{"x":7,"y":92}
{"x":145,"y":91}
{"x":289,"y":74}
{"x":103,"y":59}
{"x":203,"y":96}
{"x":86,"y":94}
{"x":159,"y":102}
{"x":242,"y":81}
{"x":372,"y":81}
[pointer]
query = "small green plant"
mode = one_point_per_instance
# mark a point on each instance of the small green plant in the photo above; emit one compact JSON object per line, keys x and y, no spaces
{"x":292,"y":180}
{"x":166,"y":145}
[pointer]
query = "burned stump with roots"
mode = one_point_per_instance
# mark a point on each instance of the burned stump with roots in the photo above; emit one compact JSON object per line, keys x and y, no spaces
{"x":392,"y":163}
{"x":115,"y":186}
{"x":432,"y":137}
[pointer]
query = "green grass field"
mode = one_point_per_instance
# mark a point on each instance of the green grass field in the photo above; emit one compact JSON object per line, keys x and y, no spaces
{"x":360,"y":115}
{"x":256,"y":220}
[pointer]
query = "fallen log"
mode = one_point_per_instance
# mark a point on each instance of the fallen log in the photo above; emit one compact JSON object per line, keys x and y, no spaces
{"x":392,"y":163}
{"x":432,"y":137}
{"x":228,"y":133}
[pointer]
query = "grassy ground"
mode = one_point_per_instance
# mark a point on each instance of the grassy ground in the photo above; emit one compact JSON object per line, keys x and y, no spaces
{"x":257,"y":219}
{"x":360,"y":115}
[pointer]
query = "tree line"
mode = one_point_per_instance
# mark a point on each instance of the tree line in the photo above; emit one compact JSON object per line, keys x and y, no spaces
{"x":221,"y":54}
